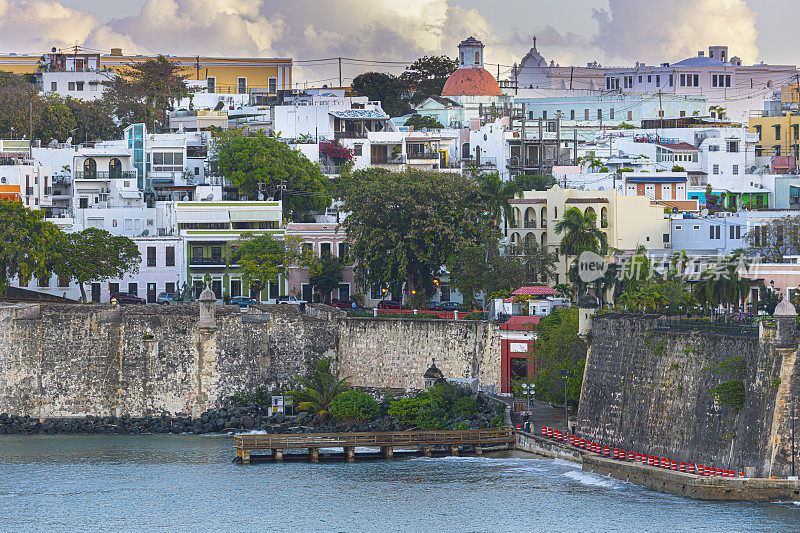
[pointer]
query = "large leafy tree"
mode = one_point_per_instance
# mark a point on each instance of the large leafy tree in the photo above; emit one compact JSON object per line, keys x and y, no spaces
{"x":16,"y":107}
{"x":324,"y":275}
{"x":775,"y":240}
{"x":55,"y":120}
{"x":29,"y":246}
{"x":94,"y":119}
{"x":127,"y":105}
{"x":94,"y":255}
{"x":533,"y":182}
{"x":557,"y":348}
{"x":250,"y":160}
{"x":385,"y":88}
{"x":427,"y":75}
{"x":404,"y":226}
{"x":418,"y":122}
{"x":262,"y":258}
{"x":158,"y":82}
{"x":483,"y":269}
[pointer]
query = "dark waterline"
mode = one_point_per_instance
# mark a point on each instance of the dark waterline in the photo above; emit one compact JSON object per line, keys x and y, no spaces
{"x":171,"y":483}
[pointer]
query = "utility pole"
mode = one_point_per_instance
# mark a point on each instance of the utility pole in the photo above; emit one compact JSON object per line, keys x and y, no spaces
{"x":197,"y":66}
{"x":660,"y":110}
{"x":340,"y":72}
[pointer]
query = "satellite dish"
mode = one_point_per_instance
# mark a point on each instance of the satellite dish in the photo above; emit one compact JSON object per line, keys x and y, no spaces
{"x":186,"y":198}
{"x":53,"y":49}
{"x":261,"y":197}
{"x":145,"y":233}
{"x":704,"y":212}
{"x":69,"y":140}
{"x":210,"y":197}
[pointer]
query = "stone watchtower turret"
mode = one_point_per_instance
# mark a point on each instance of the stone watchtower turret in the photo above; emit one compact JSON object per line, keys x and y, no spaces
{"x":587,"y":306}
{"x":208,"y":302}
{"x":786,"y":320}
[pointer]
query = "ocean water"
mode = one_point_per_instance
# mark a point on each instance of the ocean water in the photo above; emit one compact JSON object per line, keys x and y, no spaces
{"x":188,"y":483}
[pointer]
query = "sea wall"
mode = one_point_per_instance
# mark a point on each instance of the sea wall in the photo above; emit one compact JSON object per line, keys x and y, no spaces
{"x":63,"y":360}
{"x":649,"y":389}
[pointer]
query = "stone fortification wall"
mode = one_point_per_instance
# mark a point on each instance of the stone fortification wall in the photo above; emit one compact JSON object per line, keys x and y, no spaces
{"x":648,"y":389}
{"x":75,"y":360}
{"x":397,"y":352}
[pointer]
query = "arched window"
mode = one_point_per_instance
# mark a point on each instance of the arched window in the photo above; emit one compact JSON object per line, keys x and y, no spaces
{"x":530,"y":238}
{"x":530,"y":218}
{"x":544,"y":217}
{"x":462,"y":57}
{"x":604,"y":217}
{"x":555,"y":213}
{"x":477,"y":155}
{"x":465,"y":151}
{"x":477,"y":57}
{"x":590,"y":211}
{"x":89,"y":168}
{"x":517,"y":217}
{"x":115,"y":168}
{"x":544,"y":241}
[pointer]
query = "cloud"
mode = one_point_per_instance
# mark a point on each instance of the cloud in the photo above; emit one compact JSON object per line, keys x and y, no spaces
{"x":35,"y":26}
{"x":670,"y":30}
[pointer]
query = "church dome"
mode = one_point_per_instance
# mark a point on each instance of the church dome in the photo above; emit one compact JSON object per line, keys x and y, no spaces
{"x":471,"y":82}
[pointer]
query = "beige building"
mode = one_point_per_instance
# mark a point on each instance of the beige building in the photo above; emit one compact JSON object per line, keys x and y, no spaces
{"x":628,"y":221}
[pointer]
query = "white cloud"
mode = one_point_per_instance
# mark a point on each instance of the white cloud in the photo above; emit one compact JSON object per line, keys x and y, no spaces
{"x":35,"y":26}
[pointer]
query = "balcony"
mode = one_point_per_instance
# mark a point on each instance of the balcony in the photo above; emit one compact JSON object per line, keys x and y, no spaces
{"x":105,"y":175}
{"x":29,"y":191}
{"x":208,"y":261}
{"x":349,"y":134}
{"x":390,"y":160}
{"x":517,"y":162}
{"x":330,"y":170}
{"x":48,"y":191}
{"x":530,"y":224}
{"x":423,"y":156}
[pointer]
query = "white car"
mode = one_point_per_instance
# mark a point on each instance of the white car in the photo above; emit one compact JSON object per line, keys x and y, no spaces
{"x":289,"y":300}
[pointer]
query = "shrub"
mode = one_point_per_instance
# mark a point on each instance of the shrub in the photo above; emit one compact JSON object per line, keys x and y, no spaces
{"x":405,"y":411}
{"x":354,"y":406}
{"x":465,"y":407}
{"x":496,"y":422}
{"x":446,"y":393}
{"x":462,"y":426}
{"x":431,"y":416}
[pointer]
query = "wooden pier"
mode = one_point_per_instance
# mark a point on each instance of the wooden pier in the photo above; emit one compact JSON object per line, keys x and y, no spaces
{"x":420,"y":442}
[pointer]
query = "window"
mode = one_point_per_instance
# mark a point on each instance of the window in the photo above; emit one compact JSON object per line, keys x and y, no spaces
{"x":114,"y":223}
{"x":572,"y":114}
{"x":630,"y":115}
{"x":83,"y":203}
{"x":89,"y":168}
{"x":344,"y":291}
{"x":599,"y":114}
{"x":735,"y":170}
{"x":54,"y":86}
{"x":713,"y":80}
{"x":732,"y":146}
{"x":342,"y":250}
{"x":611,"y":114}
{"x":151,"y":256}
{"x":544,"y":115}
{"x":777,"y":132}
{"x":79,"y":86}
{"x":272,"y":85}
{"x":196,"y":171}
{"x":649,"y":79}
{"x":445,"y":292}
{"x":683,"y":80}
{"x":716,"y":169}
{"x":167,"y":161}
{"x":357,"y":149}
{"x":325,"y":249}
{"x":665,"y":237}
{"x":710,"y":232}
{"x":640,"y":79}
{"x":211,"y":83}
{"x":477,"y":57}
{"x":133,"y":289}
{"x":170,"y":250}
{"x":241,"y":85}
{"x":678,"y":228}
{"x":727,"y":80}
{"x":697,"y":80}
{"x":696,"y":227}
{"x":93,"y":85}
{"x":71,"y":86}
{"x":738,"y":232}
{"x":586,"y":114}
{"x":113,"y":287}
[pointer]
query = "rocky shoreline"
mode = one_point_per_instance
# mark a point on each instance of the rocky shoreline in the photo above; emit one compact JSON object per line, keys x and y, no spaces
{"x":234,"y":418}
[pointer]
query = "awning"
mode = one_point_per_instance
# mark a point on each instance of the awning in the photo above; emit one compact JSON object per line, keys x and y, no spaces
{"x":196,"y":216}
{"x":256,"y":215}
{"x":130,"y":195}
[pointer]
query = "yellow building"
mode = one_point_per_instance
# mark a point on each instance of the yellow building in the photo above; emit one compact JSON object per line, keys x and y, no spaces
{"x":221,"y":74}
{"x":790,"y":94}
{"x":628,"y":221}
{"x":776,"y":135}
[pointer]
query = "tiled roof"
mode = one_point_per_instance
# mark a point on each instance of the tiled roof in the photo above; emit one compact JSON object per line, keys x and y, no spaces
{"x":359,"y":113}
{"x":528,"y":201}
{"x":536,"y":290}
{"x":587,"y":201}
{"x":521,"y":323}
{"x":699,"y":61}
{"x":471,"y":41}
{"x":679,"y":146}
{"x":471,"y":82}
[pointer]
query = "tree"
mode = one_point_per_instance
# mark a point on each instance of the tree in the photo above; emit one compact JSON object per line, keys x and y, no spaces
{"x":319,"y":390}
{"x":427,"y":75}
{"x":158,"y":82}
{"x":591,"y":162}
{"x":721,"y":284}
{"x":262,"y":259}
{"x":94,"y":119}
{"x":669,"y":297}
{"x":55,"y":118}
{"x":94,"y":255}
{"x":539,"y":264}
{"x":535,"y":182}
{"x":15,"y":110}
{"x":581,"y":234}
{"x":384,"y":88}
{"x":324,"y":275}
{"x":418,"y":122}
{"x":29,"y":246}
{"x":250,"y":160}
{"x":496,"y":195}
{"x":404,"y":226}
{"x":557,"y":348}
{"x":127,"y":105}
{"x":775,"y":240}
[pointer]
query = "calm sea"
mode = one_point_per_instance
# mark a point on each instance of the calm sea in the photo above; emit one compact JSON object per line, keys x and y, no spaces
{"x":187,"y":483}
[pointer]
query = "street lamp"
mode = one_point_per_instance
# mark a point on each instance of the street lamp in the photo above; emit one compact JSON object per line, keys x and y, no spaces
{"x":564,"y":376}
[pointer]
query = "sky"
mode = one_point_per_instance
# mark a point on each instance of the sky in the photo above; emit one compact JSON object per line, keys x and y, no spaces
{"x":572,"y":32}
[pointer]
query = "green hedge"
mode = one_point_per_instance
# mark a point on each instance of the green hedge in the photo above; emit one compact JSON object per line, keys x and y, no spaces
{"x":354,"y":406}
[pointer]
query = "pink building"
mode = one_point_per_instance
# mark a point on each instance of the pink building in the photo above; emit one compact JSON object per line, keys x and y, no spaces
{"x":322,"y":238}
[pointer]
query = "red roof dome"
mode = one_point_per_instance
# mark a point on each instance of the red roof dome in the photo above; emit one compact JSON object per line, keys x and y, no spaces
{"x":471,"y":82}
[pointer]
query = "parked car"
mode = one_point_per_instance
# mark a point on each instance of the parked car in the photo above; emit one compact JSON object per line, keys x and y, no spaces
{"x":447,"y":306}
{"x":165,"y":298}
{"x":124,"y":298}
{"x":429,"y":305}
{"x":389,"y":304}
{"x":289,"y":300}
{"x":242,"y":301}
{"x":349,"y":305}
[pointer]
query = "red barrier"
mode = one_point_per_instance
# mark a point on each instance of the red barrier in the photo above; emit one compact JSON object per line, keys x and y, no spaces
{"x":616,"y":453}
{"x":701,"y":470}
{"x":550,"y":432}
{"x":607,"y":451}
{"x":690,"y":468}
{"x":682,"y":467}
{"x":674,"y":466}
{"x":650,"y":460}
{"x":719,"y":472}
{"x":631,"y":456}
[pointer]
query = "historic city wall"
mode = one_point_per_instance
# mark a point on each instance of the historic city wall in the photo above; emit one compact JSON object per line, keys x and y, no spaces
{"x":76,"y":360}
{"x":648,"y":389}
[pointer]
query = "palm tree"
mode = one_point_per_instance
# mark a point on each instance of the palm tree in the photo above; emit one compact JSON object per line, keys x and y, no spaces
{"x":721,"y":284}
{"x":319,"y":390}
{"x":496,"y":195}
{"x":590,"y":161}
{"x":540,"y":265}
{"x":581,"y":234}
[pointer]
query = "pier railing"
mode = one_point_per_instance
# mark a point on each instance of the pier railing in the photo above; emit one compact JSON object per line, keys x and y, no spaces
{"x":400,"y":438}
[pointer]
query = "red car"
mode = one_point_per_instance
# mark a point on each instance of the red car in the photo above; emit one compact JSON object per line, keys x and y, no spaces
{"x":123,"y":298}
{"x":348,"y":305}
{"x":389,"y":304}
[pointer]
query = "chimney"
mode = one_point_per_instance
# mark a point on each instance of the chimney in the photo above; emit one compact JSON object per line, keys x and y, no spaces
{"x":700,"y":53}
